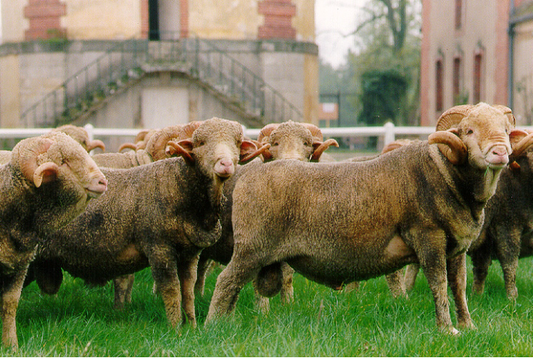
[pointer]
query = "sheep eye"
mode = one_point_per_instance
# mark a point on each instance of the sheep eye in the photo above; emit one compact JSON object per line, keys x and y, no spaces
{"x":469,"y":131}
{"x":275,"y":144}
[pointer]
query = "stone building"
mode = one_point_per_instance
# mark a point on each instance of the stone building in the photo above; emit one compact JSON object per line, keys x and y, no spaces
{"x":477,"y":50}
{"x":151,"y":63}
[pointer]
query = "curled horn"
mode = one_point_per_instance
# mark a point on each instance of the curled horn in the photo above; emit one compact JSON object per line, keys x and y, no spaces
{"x":508,"y":112}
{"x":127,"y":146}
{"x":29,"y":154}
{"x":252,"y":152}
{"x":97,"y":143}
{"x":446,"y":137}
{"x":263,"y":136}
{"x":157,"y":143}
{"x":450,"y":145}
{"x":157,"y":146}
{"x":174,"y":148}
{"x":321,"y":148}
{"x":189,"y":128}
{"x":141,"y":135}
{"x":315,"y":131}
{"x":523,"y":141}
{"x":266,"y":131}
{"x":453,"y":116}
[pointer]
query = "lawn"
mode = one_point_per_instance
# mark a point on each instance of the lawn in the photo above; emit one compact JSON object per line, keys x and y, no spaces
{"x":80,"y":321}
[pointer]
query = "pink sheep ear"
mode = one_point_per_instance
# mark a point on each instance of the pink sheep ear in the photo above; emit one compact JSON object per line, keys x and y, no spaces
{"x":249,"y":151}
{"x":182,"y":148}
{"x":45,"y":173}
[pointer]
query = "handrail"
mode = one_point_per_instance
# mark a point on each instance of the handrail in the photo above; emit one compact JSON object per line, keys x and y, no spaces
{"x":130,"y":59}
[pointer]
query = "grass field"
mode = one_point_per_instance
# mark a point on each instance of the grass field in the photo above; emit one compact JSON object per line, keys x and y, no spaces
{"x":80,"y":321}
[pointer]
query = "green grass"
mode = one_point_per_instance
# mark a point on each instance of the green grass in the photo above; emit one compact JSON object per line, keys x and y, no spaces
{"x":80,"y":321}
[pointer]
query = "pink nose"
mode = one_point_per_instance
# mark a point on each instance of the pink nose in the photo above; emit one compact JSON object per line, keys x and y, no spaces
{"x":224,"y":168}
{"x":98,"y":186}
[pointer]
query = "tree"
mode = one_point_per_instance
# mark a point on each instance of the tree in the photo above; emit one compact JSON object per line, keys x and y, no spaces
{"x":389,"y":39}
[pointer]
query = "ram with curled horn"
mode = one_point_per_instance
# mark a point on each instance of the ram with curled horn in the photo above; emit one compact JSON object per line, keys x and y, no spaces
{"x":294,"y":140}
{"x":506,"y":234}
{"x":423,"y":203}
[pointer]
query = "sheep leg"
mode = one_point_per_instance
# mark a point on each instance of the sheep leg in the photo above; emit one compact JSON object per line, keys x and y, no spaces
{"x":433,"y":262}
{"x":481,"y":260}
{"x":11,"y":291}
{"x":287,"y":290}
{"x":203,"y":266}
{"x":123,"y":286}
{"x":165,"y":274}
{"x":508,"y":252}
{"x":231,"y":280}
{"x":456,"y":268}
{"x":187,"y":271}
{"x":396,"y":283}
{"x":411,"y":271}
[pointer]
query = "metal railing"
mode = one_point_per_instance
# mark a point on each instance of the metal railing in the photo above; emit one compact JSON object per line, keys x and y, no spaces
{"x":130,"y":59}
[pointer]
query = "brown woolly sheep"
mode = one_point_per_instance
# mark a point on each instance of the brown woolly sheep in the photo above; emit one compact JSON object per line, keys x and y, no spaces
{"x":159,"y":215}
{"x":47,"y":183}
{"x":79,"y":134}
{"x":152,"y":150}
{"x":507,"y":231}
{"x":288,"y":140}
{"x":422,"y":203}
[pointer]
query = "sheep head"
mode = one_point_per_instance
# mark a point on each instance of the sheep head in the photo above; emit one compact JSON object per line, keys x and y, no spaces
{"x":62,"y":175}
{"x":293,"y":140}
{"x":476,"y":134}
{"x":521,"y":141}
{"x":216,"y":146}
{"x":81,"y":136}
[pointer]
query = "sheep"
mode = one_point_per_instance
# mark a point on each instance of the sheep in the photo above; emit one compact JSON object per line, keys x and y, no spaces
{"x":79,"y":134}
{"x":506,"y":233}
{"x":47,"y":182}
{"x":159,"y":215}
{"x":153,"y":149}
{"x":288,"y":140}
{"x":336,"y":223}
{"x":150,"y":147}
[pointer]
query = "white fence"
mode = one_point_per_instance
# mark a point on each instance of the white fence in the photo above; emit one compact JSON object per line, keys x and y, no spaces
{"x":388,"y":131}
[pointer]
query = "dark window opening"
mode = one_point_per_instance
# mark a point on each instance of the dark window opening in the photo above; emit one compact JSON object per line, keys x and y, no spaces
{"x":153,"y":20}
{"x":477,"y":77}
{"x":439,"y":85}
{"x":458,"y":13}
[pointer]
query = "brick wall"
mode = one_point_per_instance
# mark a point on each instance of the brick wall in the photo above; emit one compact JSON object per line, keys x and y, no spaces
{"x":278,"y":19}
{"x":45,"y":19}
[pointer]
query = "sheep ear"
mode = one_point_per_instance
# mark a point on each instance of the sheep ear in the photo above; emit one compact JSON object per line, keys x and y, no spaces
{"x":450,"y":145}
{"x":520,"y":141}
{"x":45,"y":173}
{"x":249,"y":151}
{"x":182,"y":148}
{"x":320,"y":147}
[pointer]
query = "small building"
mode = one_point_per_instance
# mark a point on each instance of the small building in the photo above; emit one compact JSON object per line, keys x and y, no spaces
{"x":476,"y":50}
{"x":151,"y":63}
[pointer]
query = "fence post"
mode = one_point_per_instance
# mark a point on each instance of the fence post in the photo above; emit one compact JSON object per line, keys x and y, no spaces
{"x":90,"y":130}
{"x":389,"y":133}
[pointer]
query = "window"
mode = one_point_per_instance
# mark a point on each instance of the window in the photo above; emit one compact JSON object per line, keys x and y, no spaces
{"x":439,"y":86}
{"x":478,"y":62}
{"x":456,"y":79}
{"x":458,"y":13}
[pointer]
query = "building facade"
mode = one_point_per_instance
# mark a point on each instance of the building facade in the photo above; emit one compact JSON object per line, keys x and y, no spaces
{"x":47,"y":42}
{"x":476,"y":50}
